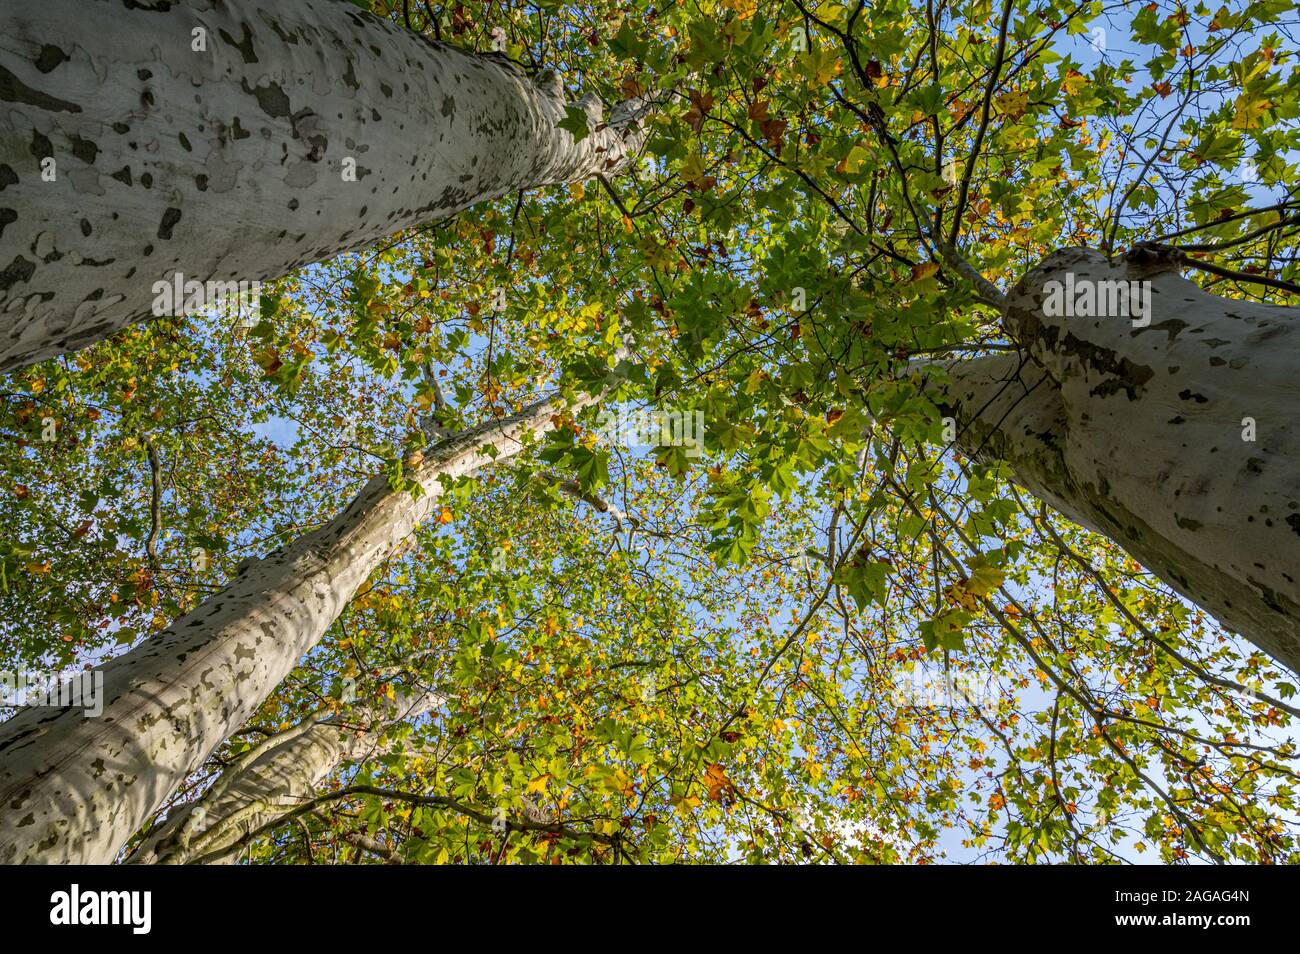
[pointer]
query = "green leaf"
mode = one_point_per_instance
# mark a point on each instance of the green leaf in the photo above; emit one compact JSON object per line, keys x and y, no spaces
{"x":575,"y":123}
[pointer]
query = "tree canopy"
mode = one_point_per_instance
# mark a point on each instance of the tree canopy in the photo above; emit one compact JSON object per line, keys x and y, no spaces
{"x":817,"y":633}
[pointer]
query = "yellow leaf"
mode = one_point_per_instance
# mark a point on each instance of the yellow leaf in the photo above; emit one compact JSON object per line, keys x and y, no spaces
{"x":744,"y":8}
{"x":959,"y":594}
{"x":685,"y":805}
{"x":1073,"y":82}
{"x":1249,"y":112}
{"x":1013,"y":104}
{"x":851,"y":163}
{"x":619,"y":782}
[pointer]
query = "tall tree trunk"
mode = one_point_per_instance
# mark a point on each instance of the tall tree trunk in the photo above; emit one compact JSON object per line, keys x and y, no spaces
{"x":1179,"y":439}
{"x":277,"y":779}
{"x":74,"y":789}
{"x":303,"y":129}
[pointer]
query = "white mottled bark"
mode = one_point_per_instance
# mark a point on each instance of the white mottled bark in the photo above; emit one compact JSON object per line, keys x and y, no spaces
{"x":74,"y":789}
{"x":277,"y":781}
{"x":1140,"y":433}
{"x":229,"y":164}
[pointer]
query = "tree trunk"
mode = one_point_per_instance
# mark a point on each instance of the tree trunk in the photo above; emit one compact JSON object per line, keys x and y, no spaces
{"x":300,"y":131}
{"x":74,"y":789}
{"x":277,"y":780}
{"x":1178,"y":439}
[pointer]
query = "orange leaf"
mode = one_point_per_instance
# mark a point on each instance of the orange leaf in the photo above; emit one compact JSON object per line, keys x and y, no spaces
{"x":924,"y":271}
{"x":720,"y":787}
{"x":774,"y":133}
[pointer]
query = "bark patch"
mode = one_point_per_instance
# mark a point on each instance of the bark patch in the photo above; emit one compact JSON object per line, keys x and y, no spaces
{"x":271,"y":97}
{"x":244,"y":46}
{"x":169,"y":220}
{"x":19,"y":270}
{"x":50,"y":57}
{"x":14,"y":90}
